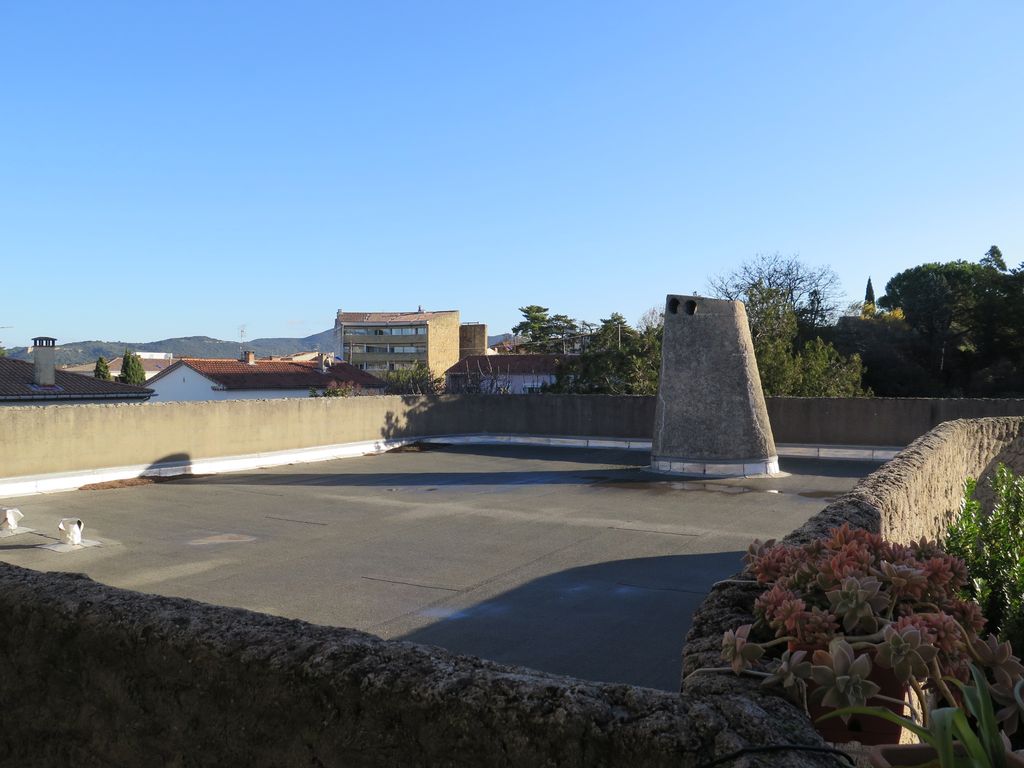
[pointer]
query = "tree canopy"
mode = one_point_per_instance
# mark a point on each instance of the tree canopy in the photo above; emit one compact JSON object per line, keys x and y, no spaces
{"x":102,"y":370}
{"x":132,"y":371}
{"x":789,"y":305}
{"x":615,"y":358}
{"x":546,"y":333}
{"x":812,"y":292}
{"x":953,"y":328}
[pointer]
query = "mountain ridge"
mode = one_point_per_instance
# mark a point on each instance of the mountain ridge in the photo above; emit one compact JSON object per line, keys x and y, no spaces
{"x":79,"y":352}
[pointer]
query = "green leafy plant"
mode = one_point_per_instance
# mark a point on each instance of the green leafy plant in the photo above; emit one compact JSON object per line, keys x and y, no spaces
{"x":992,"y":546}
{"x":418,"y":380}
{"x":342,"y":390}
{"x":967,"y":736}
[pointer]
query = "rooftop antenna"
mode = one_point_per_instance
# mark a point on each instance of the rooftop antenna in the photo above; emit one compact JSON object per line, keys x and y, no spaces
{"x":241,"y":340}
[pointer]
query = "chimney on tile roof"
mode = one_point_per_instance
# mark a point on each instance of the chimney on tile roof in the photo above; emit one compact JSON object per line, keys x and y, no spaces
{"x":249,"y":357}
{"x":44,"y":349}
{"x":323,"y":361}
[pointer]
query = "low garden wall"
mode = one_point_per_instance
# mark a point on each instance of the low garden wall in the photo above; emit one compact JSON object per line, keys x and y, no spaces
{"x":97,"y":676}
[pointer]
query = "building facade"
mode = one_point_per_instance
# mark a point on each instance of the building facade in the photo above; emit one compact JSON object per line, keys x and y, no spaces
{"x":503,"y":374}
{"x":379,"y":342}
{"x":191,"y":379}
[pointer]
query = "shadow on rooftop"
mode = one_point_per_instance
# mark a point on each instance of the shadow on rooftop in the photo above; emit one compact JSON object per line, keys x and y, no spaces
{"x":614,"y":474}
{"x":622,"y":621}
{"x":569,"y":454}
{"x":391,"y":479}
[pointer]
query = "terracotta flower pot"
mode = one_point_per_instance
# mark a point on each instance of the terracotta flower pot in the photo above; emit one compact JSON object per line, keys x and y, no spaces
{"x":866,"y":729}
{"x":920,"y":756}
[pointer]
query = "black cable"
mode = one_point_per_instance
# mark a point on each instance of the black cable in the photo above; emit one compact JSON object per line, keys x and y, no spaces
{"x":778,"y":748}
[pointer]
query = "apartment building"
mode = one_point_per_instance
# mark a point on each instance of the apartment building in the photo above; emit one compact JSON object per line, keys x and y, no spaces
{"x":391,"y":341}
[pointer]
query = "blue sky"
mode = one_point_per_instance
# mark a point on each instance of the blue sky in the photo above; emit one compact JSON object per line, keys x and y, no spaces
{"x":171,"y":169}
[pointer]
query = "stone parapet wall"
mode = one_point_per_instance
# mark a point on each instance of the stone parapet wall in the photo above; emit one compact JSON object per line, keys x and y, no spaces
{"x":97,"y":676}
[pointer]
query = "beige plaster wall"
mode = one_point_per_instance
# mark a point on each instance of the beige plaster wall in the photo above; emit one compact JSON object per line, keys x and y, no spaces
{"x":55,"y":439}
{"x":443,"y":343}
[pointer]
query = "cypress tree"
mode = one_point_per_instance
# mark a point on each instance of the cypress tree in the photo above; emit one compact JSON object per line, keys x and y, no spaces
{"x":132,"y":371}
{"x":102,"y":370}
{"x":869,"y":293}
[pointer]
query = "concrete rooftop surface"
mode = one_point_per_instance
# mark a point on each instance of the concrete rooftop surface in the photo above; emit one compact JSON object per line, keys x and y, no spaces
{"x":567,"y":560}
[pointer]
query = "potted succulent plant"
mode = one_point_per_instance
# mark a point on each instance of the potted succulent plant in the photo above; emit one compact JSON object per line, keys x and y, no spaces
{"x":853,"y":619}
{"x":951,"y":740}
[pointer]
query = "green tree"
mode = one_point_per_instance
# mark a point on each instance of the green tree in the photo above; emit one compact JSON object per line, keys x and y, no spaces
{"x":993,"y":259}
{"x":341,"y":390}
{"x":820,"y":371}
{"x":816,"y":369}
{"x":102,"y":370}
{"x":417,"y":380}
{"x":773,"y":329}
{"x":564,"y":334}
{"x":812,"y":292}
{"x":132,"y":371}
{"x":536,"y":326}
{"x":968,"y":317}
{"x":616,"y":359}
{"x":869,"y":293}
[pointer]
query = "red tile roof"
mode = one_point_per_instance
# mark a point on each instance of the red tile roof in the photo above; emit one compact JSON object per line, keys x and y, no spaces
{"x":16,"y":383}
{"x":274,"y":374}
{"x":508,"y":364}
{"x":384,"y":318}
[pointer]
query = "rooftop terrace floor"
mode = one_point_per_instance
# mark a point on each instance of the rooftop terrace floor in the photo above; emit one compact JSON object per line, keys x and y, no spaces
{"x":570,"y":561}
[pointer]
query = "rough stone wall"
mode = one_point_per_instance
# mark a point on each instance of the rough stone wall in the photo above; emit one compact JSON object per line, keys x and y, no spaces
{"x":97,"y":676}
{"x":918,"y":492}
{"x":914,"y":495}
{"x":710,"y":405}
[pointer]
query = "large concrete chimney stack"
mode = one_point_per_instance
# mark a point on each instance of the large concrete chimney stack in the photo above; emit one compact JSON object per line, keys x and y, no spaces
{"x":44,"y":350}
{"x":710,"y":418}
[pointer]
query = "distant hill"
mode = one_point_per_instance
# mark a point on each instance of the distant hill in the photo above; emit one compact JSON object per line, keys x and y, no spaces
{"x":492,"y":340}
{"x":78,"y":352}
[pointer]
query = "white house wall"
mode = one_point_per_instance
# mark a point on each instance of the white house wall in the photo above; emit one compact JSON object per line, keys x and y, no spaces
{"x":185,"y":384}
{"x":520,"y":384}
